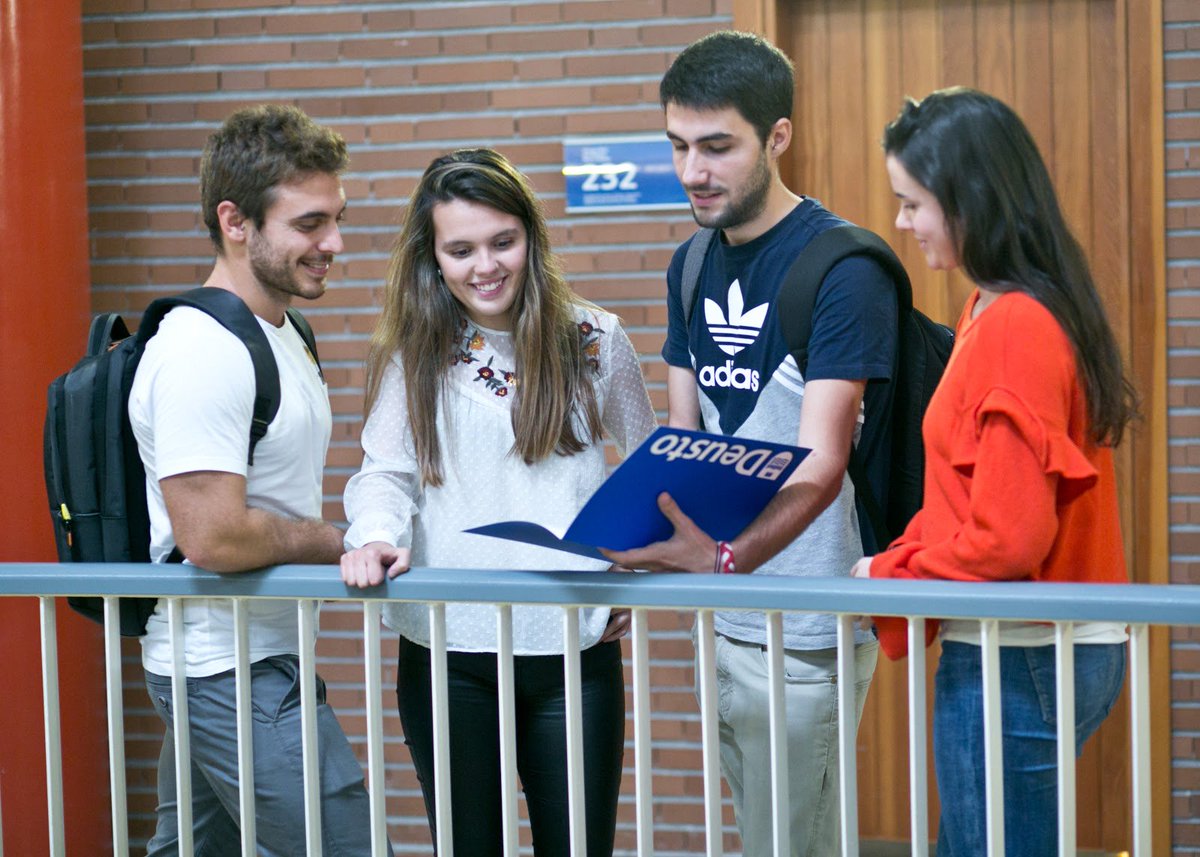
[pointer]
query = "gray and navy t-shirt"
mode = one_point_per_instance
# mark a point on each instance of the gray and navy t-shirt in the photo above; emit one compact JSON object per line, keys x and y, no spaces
{"x":750,"y":386}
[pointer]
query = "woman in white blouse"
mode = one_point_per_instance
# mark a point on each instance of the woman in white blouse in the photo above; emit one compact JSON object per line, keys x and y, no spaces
{"x":489,"y":383}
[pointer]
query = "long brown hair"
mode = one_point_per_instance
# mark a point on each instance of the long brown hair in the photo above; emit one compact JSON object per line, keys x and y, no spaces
{"x":422,"y":321}
{"x":975,"y":155}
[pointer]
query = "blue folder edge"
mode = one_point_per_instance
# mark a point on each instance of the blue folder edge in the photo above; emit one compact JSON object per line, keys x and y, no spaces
{"x":535,"y":534}
{"x":721,"y":482}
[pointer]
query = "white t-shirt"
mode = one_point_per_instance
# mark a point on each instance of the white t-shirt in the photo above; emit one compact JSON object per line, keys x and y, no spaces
{"x":484,"y":483}
{"x":190,"y":407}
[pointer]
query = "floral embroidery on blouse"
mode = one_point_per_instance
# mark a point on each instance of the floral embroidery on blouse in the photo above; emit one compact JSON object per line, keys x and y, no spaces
{"x":472,"y":341}
{"x":498,"y":382}
{"x":502,"y":381}
{"x":591,"y":344}
{"x":462,"y":356}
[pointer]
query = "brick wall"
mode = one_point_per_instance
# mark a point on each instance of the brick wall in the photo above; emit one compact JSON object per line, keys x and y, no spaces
{"x":402,"y":82}
{"x":1181,"y":44}
{"x":405,"y":81}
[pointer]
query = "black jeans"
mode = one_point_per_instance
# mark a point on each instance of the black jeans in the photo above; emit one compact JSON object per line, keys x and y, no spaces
{"x":541,"y":744}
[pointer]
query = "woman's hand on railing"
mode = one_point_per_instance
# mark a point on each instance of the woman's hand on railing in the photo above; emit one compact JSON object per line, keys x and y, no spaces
{"x":369,"y":564}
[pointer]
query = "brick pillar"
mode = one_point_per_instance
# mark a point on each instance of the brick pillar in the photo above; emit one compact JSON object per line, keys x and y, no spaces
{"x":44,"y":301}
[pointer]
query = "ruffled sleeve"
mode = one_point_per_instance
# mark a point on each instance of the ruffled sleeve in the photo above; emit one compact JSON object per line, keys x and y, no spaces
{"x":1010,"y":522}
{"x":1019,"y":362}
{"x":1046,"y":437}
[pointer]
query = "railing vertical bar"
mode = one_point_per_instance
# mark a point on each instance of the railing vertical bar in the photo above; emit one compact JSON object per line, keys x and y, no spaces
{"x":507,"y":698}
{"x":1064,"y":654}
{"x":847,"y":734}
{"x":51,"y":718}
{"x":116,"y":725}
{"x":245,"y":727}
{"x":1139,"y":727}
{"x":179,"y":725}
{"x":709,"y":737}
{"x":777,"y":717}
{"x":307,"y":609}
{"x":572,"y":683}
{"x":918,"y":774}
{"x":993,"y":755}
{"x":642,"y":764}
{"x":373,"y":665}
{"x":441,"y":728}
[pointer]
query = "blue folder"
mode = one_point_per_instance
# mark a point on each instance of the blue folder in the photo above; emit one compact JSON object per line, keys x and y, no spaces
{"x":719,"y":481}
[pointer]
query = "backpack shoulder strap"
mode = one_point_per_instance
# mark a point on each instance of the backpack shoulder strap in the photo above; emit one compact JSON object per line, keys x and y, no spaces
{"x":798,"y":294}
{"x":233,"y":314}
{"x":306,"y":333}
{"x":693,"y":264}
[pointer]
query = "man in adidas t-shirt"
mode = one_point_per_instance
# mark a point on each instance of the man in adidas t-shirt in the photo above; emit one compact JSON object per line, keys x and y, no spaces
{"x":728,"y":101}
{"x":272,"y":199}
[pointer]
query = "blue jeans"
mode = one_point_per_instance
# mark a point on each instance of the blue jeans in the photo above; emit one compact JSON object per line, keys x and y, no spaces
{"x":1027,"y":702}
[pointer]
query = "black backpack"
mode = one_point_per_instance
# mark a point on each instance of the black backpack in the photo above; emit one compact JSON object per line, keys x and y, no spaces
{"x":924,"y":350}
{"x":94,"y":476}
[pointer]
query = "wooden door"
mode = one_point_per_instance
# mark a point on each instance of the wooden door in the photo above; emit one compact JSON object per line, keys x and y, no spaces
{"x":1081,"y":75}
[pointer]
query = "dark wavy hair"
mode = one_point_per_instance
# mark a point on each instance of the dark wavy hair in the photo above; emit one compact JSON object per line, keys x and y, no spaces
{"x":256,"y":150}
{"x":555,"y":409}
{"x":732,"y":69}
{"x":977,"y":158}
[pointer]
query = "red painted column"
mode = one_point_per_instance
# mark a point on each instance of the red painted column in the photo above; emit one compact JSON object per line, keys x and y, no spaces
{"x":44,"y":303}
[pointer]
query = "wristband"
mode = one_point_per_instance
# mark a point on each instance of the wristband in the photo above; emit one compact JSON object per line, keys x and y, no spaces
{"x":724,"y":563}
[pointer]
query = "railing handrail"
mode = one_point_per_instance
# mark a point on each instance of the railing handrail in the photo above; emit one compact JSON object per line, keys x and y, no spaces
{"x":1174,"y":604}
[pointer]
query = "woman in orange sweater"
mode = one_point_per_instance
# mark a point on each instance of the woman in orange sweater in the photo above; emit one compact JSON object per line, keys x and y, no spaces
{"x":1019,"y":479}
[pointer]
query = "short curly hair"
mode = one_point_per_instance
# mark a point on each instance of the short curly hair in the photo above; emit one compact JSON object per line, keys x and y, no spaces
{"x":256,"y":150}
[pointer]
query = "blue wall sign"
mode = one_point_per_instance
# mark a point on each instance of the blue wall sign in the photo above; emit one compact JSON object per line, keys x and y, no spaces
{"x":632,"y":173}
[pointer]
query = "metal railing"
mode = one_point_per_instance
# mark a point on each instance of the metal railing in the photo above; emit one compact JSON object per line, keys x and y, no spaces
{"x":1062,"y":604}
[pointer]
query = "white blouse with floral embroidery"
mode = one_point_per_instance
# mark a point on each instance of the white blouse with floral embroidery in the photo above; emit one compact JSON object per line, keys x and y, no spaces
{"x":484,"y":482}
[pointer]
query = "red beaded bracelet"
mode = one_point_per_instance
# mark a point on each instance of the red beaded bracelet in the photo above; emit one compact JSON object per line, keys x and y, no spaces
{"x":724,"y":563}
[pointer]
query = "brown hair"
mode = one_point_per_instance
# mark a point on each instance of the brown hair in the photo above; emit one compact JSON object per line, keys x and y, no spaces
{"x":555,"y":409}
{"x":977,"y":158}
{"x":256,"y":150}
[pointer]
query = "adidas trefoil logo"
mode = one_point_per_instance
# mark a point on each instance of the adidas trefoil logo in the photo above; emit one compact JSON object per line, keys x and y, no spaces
{"x":741,"y":328}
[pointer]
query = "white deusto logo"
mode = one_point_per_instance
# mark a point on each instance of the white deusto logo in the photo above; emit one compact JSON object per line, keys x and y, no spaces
{"x":741,"y":328}
{"x":747,"y":459}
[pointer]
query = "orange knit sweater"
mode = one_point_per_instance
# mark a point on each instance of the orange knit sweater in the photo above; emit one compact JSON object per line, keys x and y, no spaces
{"x":1014,"y":489}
